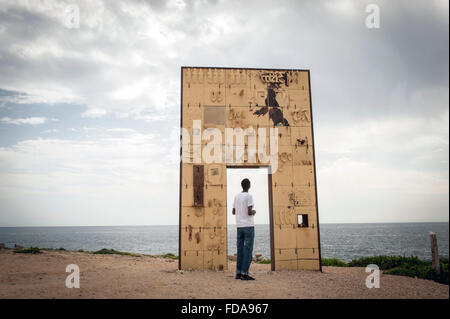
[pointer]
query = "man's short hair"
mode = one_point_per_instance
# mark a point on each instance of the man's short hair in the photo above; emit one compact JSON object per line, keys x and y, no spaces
{"x":245,"y":183}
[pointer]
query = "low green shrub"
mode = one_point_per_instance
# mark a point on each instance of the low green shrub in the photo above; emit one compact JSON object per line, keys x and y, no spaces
{"x":406,"y":266}
{"x":421,"y":271}
{"x":105,"y":251}
{"x":31,"y":250}
{"x":387,"y":262}
{"x":333,"y":262}
{"x":170,"y":256}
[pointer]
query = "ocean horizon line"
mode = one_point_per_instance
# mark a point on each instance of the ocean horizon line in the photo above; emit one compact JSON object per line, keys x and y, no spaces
{"x":159,"y":225}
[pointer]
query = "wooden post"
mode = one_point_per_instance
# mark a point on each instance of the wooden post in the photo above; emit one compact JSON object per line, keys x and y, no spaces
{"x":434,"y":253}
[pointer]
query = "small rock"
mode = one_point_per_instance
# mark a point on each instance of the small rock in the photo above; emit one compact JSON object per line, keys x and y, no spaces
{"x":258,"y":255}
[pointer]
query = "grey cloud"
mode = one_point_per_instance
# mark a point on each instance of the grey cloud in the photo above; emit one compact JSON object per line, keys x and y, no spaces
{"x":358,"y":75}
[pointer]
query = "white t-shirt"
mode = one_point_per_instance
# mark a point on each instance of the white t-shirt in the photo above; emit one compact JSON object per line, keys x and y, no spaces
{"x":241,"y":203}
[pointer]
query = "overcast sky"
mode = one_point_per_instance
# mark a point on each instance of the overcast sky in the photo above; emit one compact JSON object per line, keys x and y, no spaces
{"x":88,"y":115}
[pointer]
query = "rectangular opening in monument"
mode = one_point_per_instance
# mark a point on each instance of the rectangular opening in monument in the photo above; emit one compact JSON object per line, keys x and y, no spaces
{"x":302,"y":220}
{"x":259,"y":189}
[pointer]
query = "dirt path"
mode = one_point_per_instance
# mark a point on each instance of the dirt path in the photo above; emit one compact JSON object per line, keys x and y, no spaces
{"x":114,"y":276}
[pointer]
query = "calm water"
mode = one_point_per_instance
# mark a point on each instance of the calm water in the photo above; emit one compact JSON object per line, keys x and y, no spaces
{"x":343,"y":241}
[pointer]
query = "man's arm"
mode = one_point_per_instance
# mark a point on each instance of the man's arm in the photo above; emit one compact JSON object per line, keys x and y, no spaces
{"x":251,"y":211}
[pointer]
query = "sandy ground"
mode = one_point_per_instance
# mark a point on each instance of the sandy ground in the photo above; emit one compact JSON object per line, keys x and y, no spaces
{"x":114,"y":276}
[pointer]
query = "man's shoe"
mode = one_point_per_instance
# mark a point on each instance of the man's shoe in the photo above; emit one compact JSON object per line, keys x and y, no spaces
{"x":246,"y":277}
{"x":238,"y":276}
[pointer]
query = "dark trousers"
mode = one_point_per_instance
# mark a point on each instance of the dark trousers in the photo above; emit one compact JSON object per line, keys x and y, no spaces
{"x":245,"y":238}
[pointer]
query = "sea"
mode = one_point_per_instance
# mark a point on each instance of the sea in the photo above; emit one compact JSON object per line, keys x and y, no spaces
{"x":343,"y":241}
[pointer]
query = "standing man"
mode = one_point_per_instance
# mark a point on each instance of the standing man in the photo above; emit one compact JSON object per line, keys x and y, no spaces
{"x":243,"y":209}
